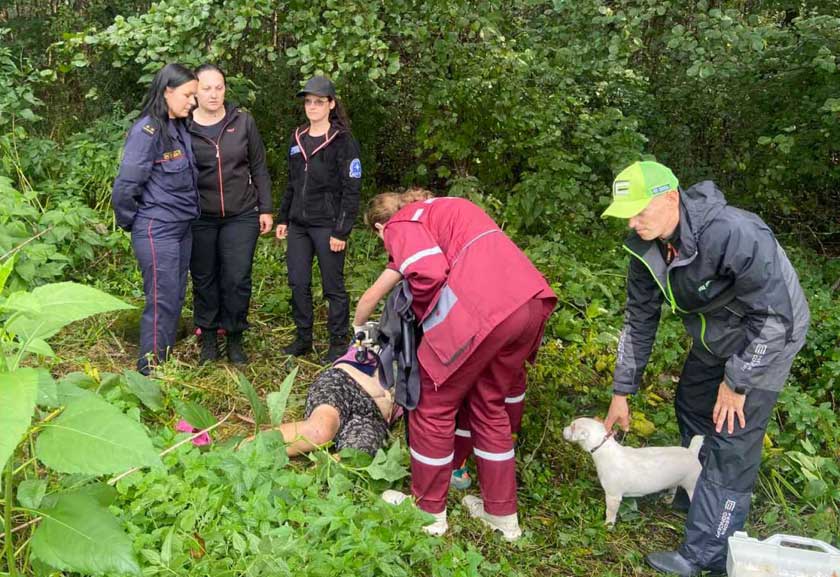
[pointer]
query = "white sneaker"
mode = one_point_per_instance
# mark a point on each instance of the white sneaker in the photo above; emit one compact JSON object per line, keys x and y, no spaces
{"x":436,"y":529}
{"x":394,"y":497}
{"x":508,"y":525}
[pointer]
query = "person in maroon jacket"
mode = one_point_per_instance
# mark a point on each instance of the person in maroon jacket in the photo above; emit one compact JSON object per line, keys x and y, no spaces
{"x":236,"y":207}
{"x":318,"y":211}
{"x":482,"y":306}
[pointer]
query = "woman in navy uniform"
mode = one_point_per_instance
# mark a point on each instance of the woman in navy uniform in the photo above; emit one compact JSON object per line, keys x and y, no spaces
{"x":317,"y":213}
{"x":156,"y":198}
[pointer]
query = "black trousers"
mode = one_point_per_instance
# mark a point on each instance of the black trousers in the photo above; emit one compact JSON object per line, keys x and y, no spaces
{"x":222,"y":255}
{"x":303,"y":244}
{"x":721,"y":500}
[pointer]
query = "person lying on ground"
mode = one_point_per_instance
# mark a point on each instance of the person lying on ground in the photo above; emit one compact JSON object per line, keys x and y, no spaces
{"x":347,"y":404}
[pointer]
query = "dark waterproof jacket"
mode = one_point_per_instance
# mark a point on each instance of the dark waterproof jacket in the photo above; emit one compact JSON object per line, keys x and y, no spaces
{"x":232,"y":175}
{"x":398,"y":339}
{"x":731,"y":283}
{"x":324,"y":184}
{"x":157,"y":178}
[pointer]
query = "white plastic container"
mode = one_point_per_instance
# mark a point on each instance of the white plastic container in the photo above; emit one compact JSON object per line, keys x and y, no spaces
{"x":781,"y":556}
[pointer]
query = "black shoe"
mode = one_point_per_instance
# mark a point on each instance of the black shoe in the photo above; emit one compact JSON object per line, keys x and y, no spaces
{"x":235,"y":353}
{"x":336,"y":351}
{"x":209,"y":347}
{"x":298,"y":348}
{"x":673,"y":563}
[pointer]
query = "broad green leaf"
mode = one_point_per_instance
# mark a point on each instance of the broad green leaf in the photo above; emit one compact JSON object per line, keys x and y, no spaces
{"x":47,"y":389}
{"x":102,"y":493}
{"x":257,"y":406}
{"x":18,"y":393}
{"x":196,"y":415}
{"x":30,"y":492}
{"x":49,"y":308}
{"x":68,"y":391}
{"x":277,"y":400}
{"x":39,"y":347}
{"x":78,"y":534}
{"x":93,"y":437}
{"x":144,"y":388}
{"x":815,"y":489}
{"x":388,"y":465}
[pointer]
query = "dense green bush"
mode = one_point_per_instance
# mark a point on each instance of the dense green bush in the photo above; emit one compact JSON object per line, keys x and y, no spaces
{"x":527,"y":108}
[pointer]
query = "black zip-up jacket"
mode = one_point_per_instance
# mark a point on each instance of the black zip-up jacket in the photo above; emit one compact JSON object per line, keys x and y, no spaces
{"x":323,"y":187}
{"x":732,"y":284}
{"x":232,"y":175}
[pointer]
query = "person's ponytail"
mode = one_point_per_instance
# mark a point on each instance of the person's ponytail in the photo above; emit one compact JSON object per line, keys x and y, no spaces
{"x":383,"y":206}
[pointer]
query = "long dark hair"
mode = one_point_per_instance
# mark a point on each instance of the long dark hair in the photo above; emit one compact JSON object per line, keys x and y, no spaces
{"x":338,"y":116}
{"x":154,"y":104}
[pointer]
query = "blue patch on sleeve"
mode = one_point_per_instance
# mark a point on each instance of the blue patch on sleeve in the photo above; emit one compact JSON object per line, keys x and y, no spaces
{"x":294,"y":150}
{"x":355,"y":168}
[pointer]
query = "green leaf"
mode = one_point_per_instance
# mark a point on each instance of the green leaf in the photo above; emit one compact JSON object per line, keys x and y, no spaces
{"x":30,"y":492}
{"x":80,"y":535}
{"x":93,"y":437}
{"x":47,"y":389}
{"x":5,"y":270}
{"x":257,"y":406}
{"x":39,"y":347}
{"x":277,"y":400}
{"x":388,"y":465}
{"x":49,"y":308}
{"x":144,"y":388}
{"x":815,"y":489}
{"x":196,"y":415}
{"x":18,"y":393}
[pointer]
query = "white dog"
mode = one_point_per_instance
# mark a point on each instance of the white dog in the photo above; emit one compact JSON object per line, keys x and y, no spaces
{"x":630,"y":472}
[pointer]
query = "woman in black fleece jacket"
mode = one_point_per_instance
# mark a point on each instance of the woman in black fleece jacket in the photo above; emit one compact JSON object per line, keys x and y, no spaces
{"x":318,"y":211}
{"x":236,"y":207}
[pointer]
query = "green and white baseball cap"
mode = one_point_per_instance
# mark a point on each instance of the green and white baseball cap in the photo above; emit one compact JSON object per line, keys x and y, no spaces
{"x":637,"y":185}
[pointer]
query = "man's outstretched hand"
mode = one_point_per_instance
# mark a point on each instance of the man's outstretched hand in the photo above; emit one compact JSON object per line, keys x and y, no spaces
{"x":619,"y":412}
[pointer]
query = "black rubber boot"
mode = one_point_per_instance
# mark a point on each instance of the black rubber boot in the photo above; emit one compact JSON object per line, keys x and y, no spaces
{"x":298,"y":348}
{"x":209,"y":347}
{"x":235,"y":352}
{"x":672,"y":563}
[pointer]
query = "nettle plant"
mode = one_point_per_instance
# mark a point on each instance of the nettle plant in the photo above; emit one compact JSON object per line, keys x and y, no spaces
{"x":69,"y":430}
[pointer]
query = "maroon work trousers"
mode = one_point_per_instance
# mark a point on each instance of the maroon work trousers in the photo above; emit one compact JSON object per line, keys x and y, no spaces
{"x":494,"y":373}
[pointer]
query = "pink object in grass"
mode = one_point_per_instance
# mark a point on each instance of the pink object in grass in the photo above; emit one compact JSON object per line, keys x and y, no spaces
{"x":201,"y":440}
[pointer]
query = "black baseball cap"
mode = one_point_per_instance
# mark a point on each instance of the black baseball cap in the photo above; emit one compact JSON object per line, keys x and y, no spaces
{"x":319,"y":86}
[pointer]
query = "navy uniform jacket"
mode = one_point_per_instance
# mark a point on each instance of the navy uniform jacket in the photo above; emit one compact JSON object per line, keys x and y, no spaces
{"x":157,"y":178}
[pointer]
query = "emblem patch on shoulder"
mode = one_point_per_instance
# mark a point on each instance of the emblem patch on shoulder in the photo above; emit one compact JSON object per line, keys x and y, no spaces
{"x":355,"y":168}
{"x":294,"y":150}
{"x":149,"y":129}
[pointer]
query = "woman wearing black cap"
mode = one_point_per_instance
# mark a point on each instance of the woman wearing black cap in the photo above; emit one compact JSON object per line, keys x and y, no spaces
{"x":317,"y":213}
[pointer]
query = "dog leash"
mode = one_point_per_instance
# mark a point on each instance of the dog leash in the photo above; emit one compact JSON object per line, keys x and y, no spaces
{"x":607,"y":437}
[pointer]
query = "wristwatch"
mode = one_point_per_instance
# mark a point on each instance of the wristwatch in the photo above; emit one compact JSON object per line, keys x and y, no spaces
{"x":740,"y":389}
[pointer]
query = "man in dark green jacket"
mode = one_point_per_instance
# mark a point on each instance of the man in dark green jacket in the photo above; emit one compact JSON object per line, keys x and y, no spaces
{"x":723,"y":272}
